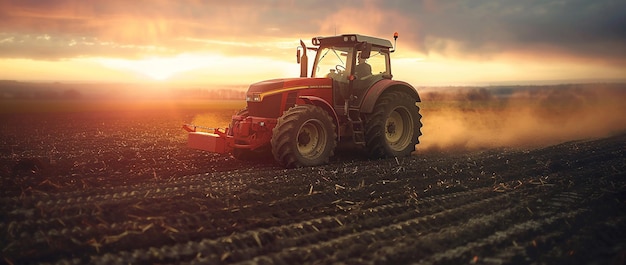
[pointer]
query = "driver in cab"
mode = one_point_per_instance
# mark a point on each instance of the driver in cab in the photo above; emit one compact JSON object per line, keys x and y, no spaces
{"x":333,"y":74}
{"x":363,"y":69}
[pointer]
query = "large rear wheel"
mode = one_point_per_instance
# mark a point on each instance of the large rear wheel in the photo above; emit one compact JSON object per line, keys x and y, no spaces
{"x":393,"y":129}
{"x":304,"y":136}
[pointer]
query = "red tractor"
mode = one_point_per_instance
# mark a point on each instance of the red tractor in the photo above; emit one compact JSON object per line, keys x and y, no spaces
{"x":350,"y":96}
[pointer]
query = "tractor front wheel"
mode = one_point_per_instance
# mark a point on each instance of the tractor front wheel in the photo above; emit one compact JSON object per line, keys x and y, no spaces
{"x":304,"y":136}
{"x":392,"y":130}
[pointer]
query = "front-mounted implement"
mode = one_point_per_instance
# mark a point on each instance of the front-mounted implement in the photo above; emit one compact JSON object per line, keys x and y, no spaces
{"x":215,"y":141}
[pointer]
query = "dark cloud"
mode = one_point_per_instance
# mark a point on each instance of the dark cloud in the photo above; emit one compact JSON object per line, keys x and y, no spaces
{"x":579,"y":28}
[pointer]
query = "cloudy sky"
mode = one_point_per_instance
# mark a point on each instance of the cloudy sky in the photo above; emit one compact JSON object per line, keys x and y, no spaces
{"x":238,"y":42}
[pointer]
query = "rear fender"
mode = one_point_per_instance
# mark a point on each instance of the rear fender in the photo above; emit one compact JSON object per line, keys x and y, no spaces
{"x":367,"y":106}
{"x":317,"y":101}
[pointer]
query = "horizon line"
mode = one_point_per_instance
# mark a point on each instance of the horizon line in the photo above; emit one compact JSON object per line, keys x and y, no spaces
{"x":425,"y":84}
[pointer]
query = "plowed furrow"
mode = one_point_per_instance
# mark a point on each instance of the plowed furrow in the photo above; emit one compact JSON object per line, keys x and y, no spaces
{"x":209,"y":183}
{"x":387,"y":237}
{"x":375,"y":222}
{"x":79,"y":225}
{"x":604,"y":243}
{"x":500,"y":242}
{"x":511,"y":242}
{"x":76,"y":231}
{"x":375,"y":243}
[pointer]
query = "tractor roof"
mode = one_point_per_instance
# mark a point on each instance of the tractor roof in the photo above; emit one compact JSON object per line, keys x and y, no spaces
{"x":351,"y":39}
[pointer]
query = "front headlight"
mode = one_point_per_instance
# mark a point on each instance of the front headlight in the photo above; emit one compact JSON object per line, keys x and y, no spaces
{"x":254,"y":97}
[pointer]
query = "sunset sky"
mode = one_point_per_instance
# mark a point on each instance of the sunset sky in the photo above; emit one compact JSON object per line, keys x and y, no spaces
{"x":239,"y":42}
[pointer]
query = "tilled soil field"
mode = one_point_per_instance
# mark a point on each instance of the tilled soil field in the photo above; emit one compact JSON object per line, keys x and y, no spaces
{"x":120,"y":187}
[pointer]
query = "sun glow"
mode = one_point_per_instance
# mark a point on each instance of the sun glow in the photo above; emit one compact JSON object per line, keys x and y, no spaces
{"x":208,"y":68}
{"x":159,"y":68}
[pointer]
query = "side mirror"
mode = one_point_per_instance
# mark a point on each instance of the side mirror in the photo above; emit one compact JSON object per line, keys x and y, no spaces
{"x":366,"y":50}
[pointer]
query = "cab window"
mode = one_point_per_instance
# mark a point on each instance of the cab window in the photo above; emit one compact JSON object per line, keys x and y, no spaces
{"x":378,"y":62}
{"x":331,"y":61}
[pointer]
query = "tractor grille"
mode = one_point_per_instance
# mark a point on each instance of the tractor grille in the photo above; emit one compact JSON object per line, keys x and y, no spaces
{"x":268,"y":108}
{"x":291,"y":100}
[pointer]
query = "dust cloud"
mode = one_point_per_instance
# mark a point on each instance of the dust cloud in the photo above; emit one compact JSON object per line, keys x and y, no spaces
{"x":209,"y":121}
{"x":519,"y":117}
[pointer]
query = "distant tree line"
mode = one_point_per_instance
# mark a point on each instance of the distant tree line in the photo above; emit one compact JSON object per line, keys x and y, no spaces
{"x":55,"y":91}
{"x":67,"y":94}
{"x":204,"y":93}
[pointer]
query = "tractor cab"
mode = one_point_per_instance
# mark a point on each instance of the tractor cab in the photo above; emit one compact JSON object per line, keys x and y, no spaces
{"x":354,"y":63}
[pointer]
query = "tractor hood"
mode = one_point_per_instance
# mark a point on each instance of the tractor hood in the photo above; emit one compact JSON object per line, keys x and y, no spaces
{"x":259,"y":90}
{"x":270,"y":98}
